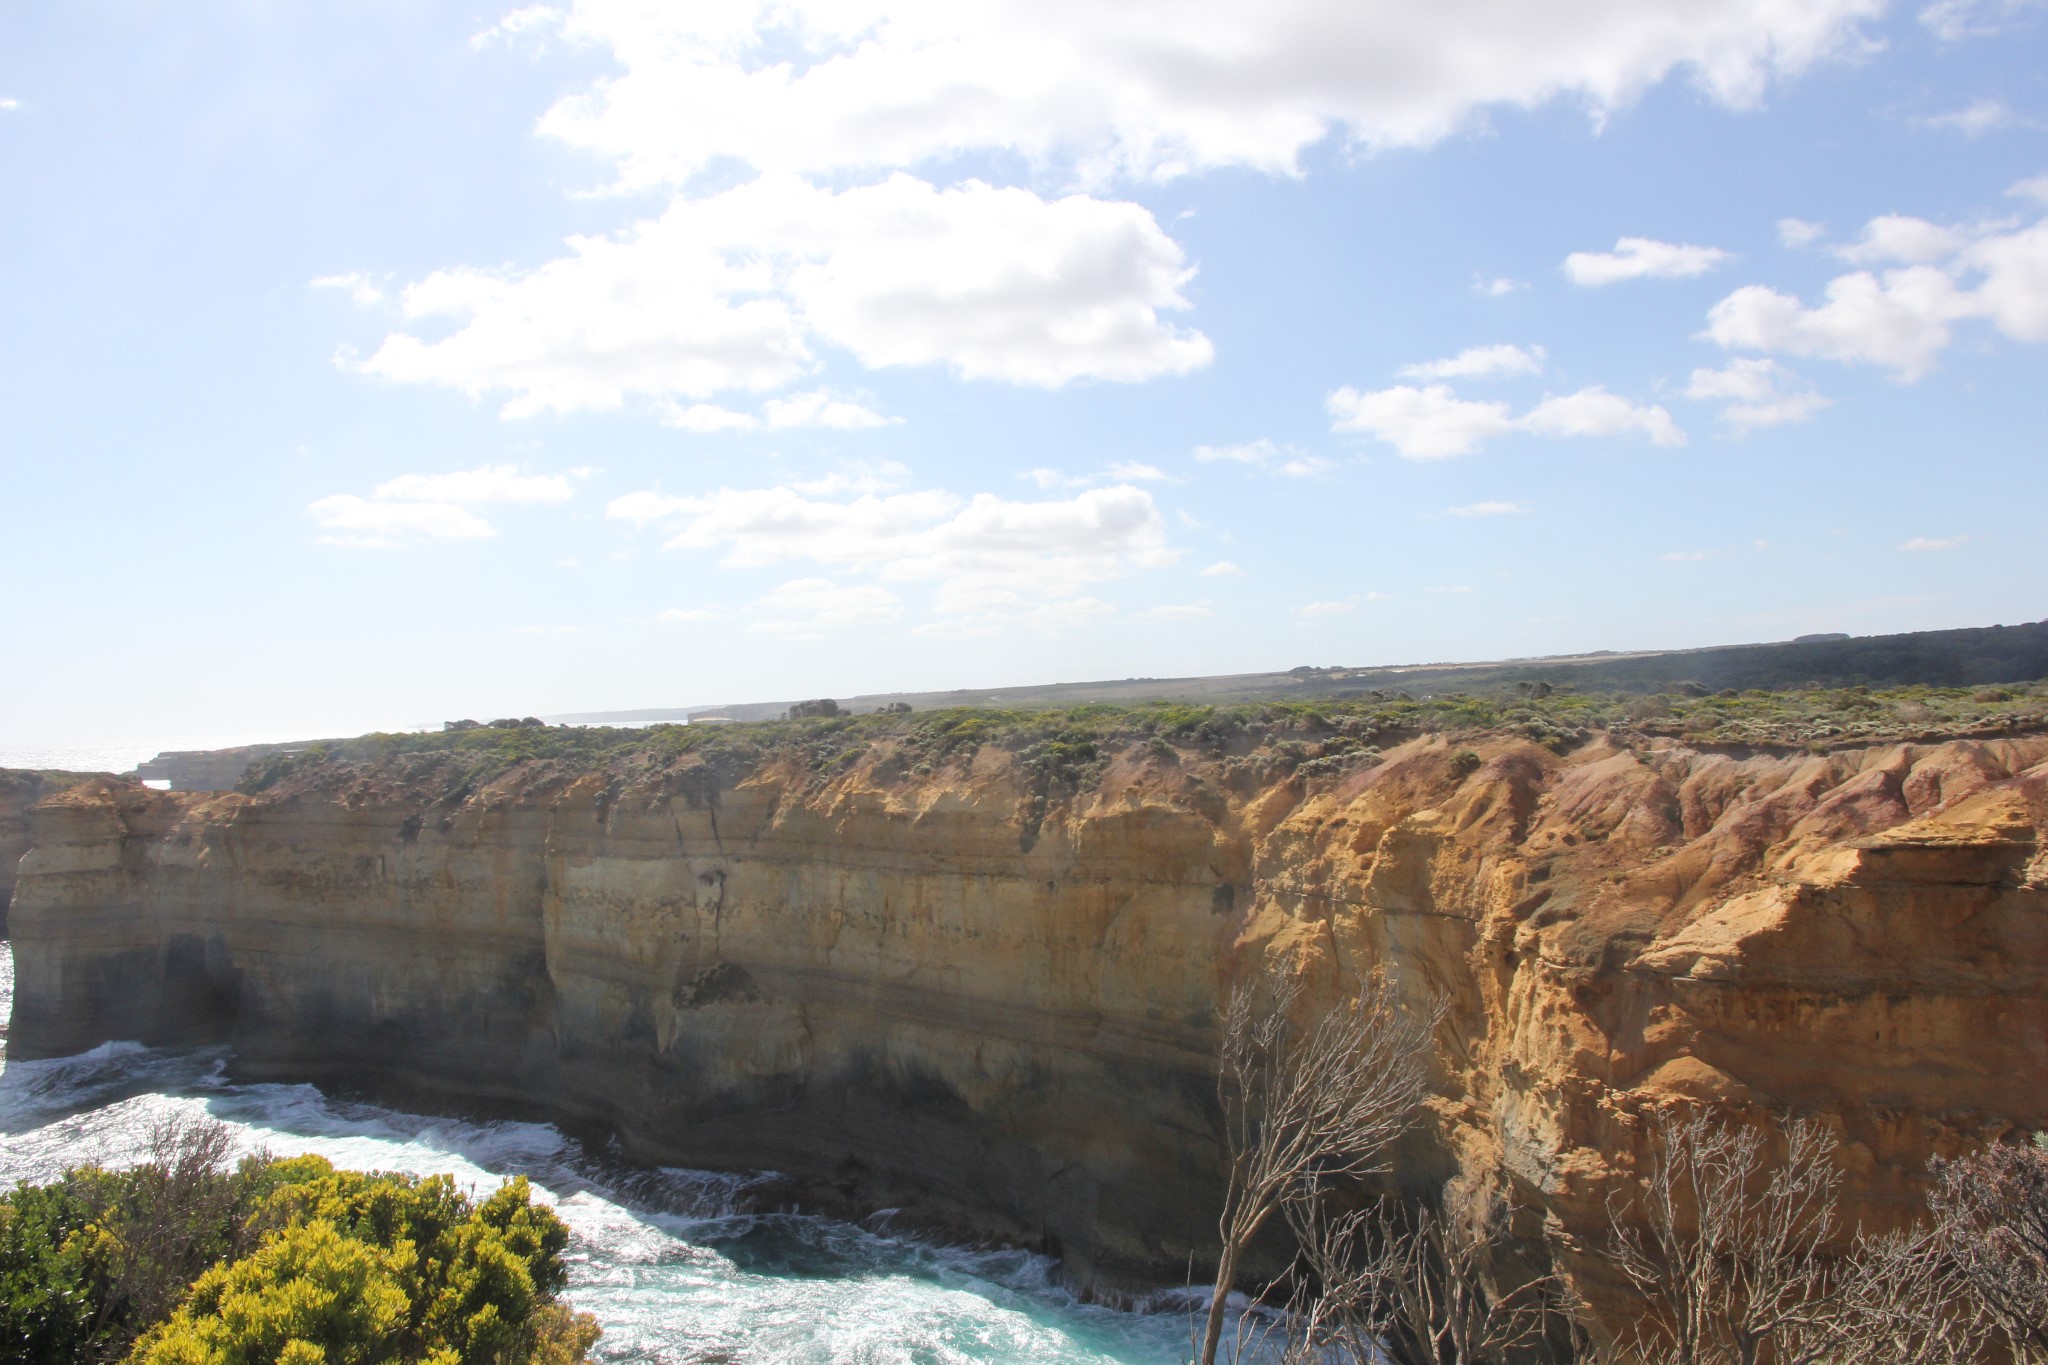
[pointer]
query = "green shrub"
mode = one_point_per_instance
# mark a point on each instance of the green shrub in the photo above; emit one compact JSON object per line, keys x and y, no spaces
{"x":183,"y":1261}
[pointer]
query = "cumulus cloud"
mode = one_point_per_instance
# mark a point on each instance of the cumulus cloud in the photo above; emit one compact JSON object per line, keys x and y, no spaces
{"x":730,"y":292}
{"x":1487,"y":509}
{"x":417,"y":507}
{"x":827,"y":86}
{"x":1498,"y":287}
{"x":1755,"y":393}
{"x":9,"y":105}
{"x":1433,"y":423}
{"x":1268,"y":457}
{"x":1480,"y":362}
{"x":1223,"y":568}
{"x":1923,"y":544}
{"x":1895,"y":238}
{"x":1902,"y":318}
{"x":986,"y":557}
{"x":1430,"y":423}
{"x":1642,"y":258}
{"x":1798,"y":232}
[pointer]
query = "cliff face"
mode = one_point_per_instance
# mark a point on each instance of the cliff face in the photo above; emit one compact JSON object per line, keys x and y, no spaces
{"x":18,"y":791}
{"x":934,"y":990}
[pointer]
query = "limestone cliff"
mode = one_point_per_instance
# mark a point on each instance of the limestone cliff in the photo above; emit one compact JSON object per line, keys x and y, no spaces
{"x":18,"y":791}
{"x":949,"y":986}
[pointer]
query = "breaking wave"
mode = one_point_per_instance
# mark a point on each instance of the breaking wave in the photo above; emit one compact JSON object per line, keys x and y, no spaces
{"x":679,"y":1266}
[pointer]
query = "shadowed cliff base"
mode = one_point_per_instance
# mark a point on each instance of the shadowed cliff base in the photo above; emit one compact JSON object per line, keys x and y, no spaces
{"x":970,"y":962}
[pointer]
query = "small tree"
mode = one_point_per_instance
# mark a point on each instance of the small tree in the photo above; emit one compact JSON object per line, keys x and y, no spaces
{"x":1730,"y":1249}
{"x":1301,"y":1108}
{"x":1991,"y":1223}
{"x":1408,"y":1284}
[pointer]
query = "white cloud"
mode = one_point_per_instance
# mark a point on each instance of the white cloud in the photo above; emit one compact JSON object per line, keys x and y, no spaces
{"x":1434,"y":423}
{"x":818,"y":408}
{"x":1921,"y":544}
{"x":363,"y":289}
{"x":1683,"y":556}
{"x":1430,"y":423}
{"x":1903,"y":318}
{"x":1320,"y":610}
{"x":828,"y":86}
{"x":1797,"y":232}
{"x":1978,"y":118}
{"x":2014,"y":292}
{"x":524,"y":20}
{"x":415,"y":507}
{"x":1955,"y":20}
{"x":1223,"y":568}
{"x":1900,"y":320}
{"x":1757,"y":393}
{"x":1642,"y":258}
{"x":1500,"y":286}
{"x":1487,"y":509}
{"x":1596,"y":412}
{"x":1480,"y":362}
{"x":807,"y":608}
{"x":1894,"y":238}
{"x":1184,"y":611}
{"x":345,"y":519}
{"x":490,"y":483}
{"x":1265,"y":455}
{"x":988,"y":557}
{"x":728,"y":293}
{"x":9,"y":105}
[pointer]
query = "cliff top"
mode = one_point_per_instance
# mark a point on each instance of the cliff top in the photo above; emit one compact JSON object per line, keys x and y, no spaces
{"x":1069,"y":746}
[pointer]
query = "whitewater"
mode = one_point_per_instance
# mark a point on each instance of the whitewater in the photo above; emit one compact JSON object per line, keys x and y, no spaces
{"x":677,"y":1265}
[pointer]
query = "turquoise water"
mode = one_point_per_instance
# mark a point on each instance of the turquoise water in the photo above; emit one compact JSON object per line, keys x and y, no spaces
{"x":667,"y":1259}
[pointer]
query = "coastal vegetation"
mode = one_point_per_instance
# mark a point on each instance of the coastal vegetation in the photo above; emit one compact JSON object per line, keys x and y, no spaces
{"x":1731,"y":1239}
{"x":1066,"y":747}
{"x":189,"y":1259}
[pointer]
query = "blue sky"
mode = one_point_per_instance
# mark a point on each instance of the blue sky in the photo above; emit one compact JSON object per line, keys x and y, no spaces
{"x":371,"y":365}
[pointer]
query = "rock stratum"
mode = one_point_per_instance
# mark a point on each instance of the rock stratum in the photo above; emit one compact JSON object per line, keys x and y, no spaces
{"x":947,"y":987}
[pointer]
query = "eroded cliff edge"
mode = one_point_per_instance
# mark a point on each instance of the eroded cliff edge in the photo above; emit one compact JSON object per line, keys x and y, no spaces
{"x":938,"y":979}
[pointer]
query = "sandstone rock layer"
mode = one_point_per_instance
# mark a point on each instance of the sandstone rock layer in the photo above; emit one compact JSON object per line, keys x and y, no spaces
{"x":934,"y":990}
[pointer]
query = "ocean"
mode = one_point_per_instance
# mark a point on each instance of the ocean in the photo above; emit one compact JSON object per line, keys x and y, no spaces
{"x":670,"y":1261}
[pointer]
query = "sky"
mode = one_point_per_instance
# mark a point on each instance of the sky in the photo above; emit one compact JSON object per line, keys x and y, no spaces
{"x":365,"y":366}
